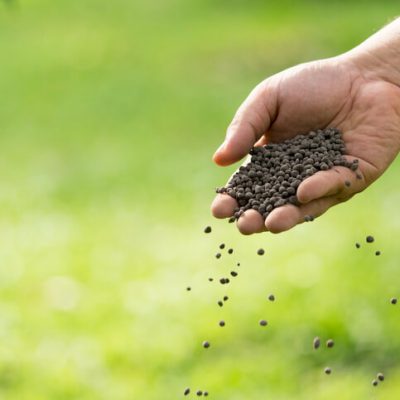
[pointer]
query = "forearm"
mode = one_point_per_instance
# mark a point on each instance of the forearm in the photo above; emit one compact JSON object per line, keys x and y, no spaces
{"x":379,"y":55}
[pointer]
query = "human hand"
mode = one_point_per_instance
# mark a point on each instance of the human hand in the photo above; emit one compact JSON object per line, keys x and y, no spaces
{"x":340,"y":92}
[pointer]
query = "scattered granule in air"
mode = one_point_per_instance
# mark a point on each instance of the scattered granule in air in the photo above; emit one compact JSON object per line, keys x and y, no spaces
{"x":225,"y":298}
{"x":187,"y":391}
{"x":263,"y":322}
{"x":205,"y":394}
{"x":230,"y":251}
{"x":374,"y":382}
{"x":206,"y":344}
{"x":328,"y":370}
{"x":330,"y":343}
{"x":369,"y":239}
{"x":218,"y":255}
{"x":207,"y":229}
{"x":222,"y":246}
{"x":238,"y":264}
{"x":234,"y":273}
{"x":199,"y":393}
{"x":377,"y":253}
{"x":393,"y":300}
{"x":221,"y":323}
{"x":210,"y":279}
{"x":220,"y":303}
{"x":316,"y":342}
{"x":260,"y":252}
{"x":380,"y":376}
{"x":358,"y":245}
{"x":188,"y":288}
{"x":271,"y":297}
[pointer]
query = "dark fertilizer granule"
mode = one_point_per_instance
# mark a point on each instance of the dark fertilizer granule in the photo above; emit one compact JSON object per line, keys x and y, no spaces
{"x":308,"y":218}
{"x":234,"y":273}
{"x":188,"y":288}
{"x":225,"y":298}
{"x":205,"y":394}
{"x":238,"y":264}
{"x":374,"y":382}
{"x":207,"y":229}
{"x":221,"y":323}
{"x":369,"y":239}
{"x":275,"y":171}
{"x":187,"y":391}
{"x":271,"y":297}
{"x":224,"y":281}
{"x":377,"y":253}
{"x":393,"y":300}
{"x":263,"y":322}
{"x":328,"y":371}
{"x":206,"y":344}
{"x":220,"y":303}
{"x":358,"y":245}
{"x":316,"y":342}
{"x":230,"y":251}
{"x":380,"y":376}
{"x":260,"y":252}
{"x":222,"y":246}
{"x":210,"y":279}
{"x":199,"y":393}
{"x":218,"y":255}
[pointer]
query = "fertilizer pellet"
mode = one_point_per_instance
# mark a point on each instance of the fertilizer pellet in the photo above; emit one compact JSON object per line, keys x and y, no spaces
{"x":377,"y":253}
{"x":276,"y":170}
{"x":369,"y":239}
{"x":220,"y":303}
{"x":263,"y":322}
{"x":225,"y":298}
{"x":221,"y":323}
{"x":316,"y":342}
{"x":187,"y":391}
{"x":374,"y":382}
{"x":199,"y":393}
{"x":206,"y":344}
{"x":222,"y":246}
{"x":234,"y":273}
{"x":210,"y":279}
{"x":260,"y":252}
{"x":358,"y":245}
{"x":380,"y":376}
{"x":271,"y":297}
{"x":207,"y":229}
{"x":230,"y":251}
{"x":188,"y":288}
{"x":393,"y":300}
{"x":328,"y":371}
{"x":330,"y":343}
{"x":231,"y":220}
{"x":205,"y":394}
{"x":218,"y":255}
{"x":224,"y":281}
{"x":238,"y":264}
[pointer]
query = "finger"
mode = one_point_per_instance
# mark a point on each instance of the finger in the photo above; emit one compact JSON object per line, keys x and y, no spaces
{"x":223,"y":206}
{"x":251,"y":121}
{"x":336,"y":181}
{"x":250,"y":222}
{"x":286,"y":217}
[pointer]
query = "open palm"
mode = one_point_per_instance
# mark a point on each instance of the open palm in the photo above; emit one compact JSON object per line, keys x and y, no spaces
{"x":316,"y":95}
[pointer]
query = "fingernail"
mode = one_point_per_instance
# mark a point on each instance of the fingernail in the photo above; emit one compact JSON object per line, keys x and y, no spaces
{"x":220,"y":149}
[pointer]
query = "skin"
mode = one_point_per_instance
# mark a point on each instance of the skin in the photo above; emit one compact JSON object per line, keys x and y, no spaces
{"x":357,"y":92}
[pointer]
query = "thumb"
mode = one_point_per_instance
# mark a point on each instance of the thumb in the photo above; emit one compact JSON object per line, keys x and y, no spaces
{"x":251,"y":121}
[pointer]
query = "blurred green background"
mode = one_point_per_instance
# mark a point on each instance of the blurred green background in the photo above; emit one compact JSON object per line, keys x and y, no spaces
{"x":110,"y":112}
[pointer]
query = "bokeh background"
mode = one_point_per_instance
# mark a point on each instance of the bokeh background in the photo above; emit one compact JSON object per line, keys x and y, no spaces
{"x":110,"y":112}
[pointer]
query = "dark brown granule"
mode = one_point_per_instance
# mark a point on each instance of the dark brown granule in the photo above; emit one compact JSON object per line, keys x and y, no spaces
{"x":234,"y":273}
{"x":330,"y":343}
{"x":308,"y":218}
{"x":221,"y":323}
{"x":358,"y":245}
{"x":328,"y":371}
{"x":260,"y":252}
{"x":374,"y":382}
{"x":263,"y":322}
{"x":276,"y":170}
{"x":271,"y":297}
{"x":222,"y":246}
{"x":187,"y":391}
{"x":188,"y":288}
{"x":225,"y":298}
{"x":316,"y":342}
{"x":199,"y":393}
{"x":231,"y":220}
{"x":210,"y":279}
{"x":220,"y":303}
{"x":380,"y":376}
{"x":369,"y":239}
{"x":206,"y":344}
{"x":207,"y":229}
{"x":230,"y":251}
{"x":218,"y":255}
{"x":238,"y":264}
{"x":393,"y":300}
{"x":377,"y":253}
{"x":205,"y":394}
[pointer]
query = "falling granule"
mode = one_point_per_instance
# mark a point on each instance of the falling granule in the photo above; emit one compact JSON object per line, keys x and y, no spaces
{"x":358,"y":245}
{"x":393,"y":300}
{"x":271,"y":297}
{"x":316,"y":342}
{"x":238,"y":264}
{"x":222,"y":246}
{"x":260,"y":252}
{"x":206,"y":344}
{"x":374,"y":382}
{"x":218,"y":255}
{"x":221,"y":323}
{"x":369,"y":239}
{"x":263,"y":322}
{"x":225,"y":298}
{"x":220,"y":303}
{"x":210,"y":279}
{"x":230,"y":251}
{"x":231,"y":220}
{"x":377,"y":253}
{"x":199,"y":393}
{"x":234,"y":273}
{"x":188,"y":288}
{"x":328,"y":371}
{"x":380,"y":376}
{"x":207,"y":229}
{"x":330,"y":343}
{"x":205,"y":394}
{"x":187,"y":391}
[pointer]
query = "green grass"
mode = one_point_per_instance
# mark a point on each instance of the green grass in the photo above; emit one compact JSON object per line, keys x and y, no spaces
{"x":110,"y":113}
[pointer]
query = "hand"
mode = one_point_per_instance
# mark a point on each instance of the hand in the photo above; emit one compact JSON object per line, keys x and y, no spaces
{"x":336,"y":92}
